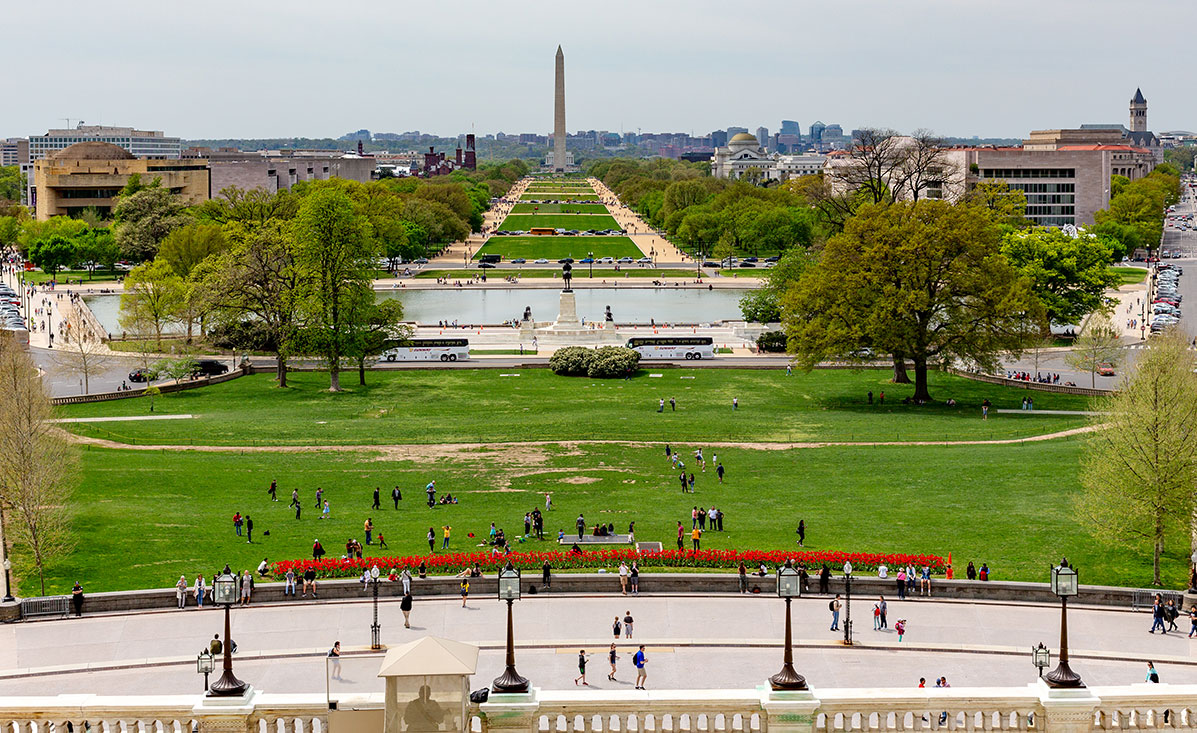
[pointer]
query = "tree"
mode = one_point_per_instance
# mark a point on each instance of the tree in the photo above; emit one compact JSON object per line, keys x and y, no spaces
{"x":152,"y":299}
{"x":10,"y":182}
{"x":1140,"y":462}
{"x":924,"y":281}
{"x":1098,"y":345}
{"x":145,"y":218}
{"x":375,"y":326}
{"x":97,"y":247}
{"x":335,"y":255}
{"x":257,"y":278}
{"x":37,"y":466}
{"x":1069,"y":274}
{"x":1007,"y":206}
{"x":763,"y":305}
{"x":53,"y":253}
{"x":189,"y":245}
{"x":82,"y":353}
{"x":176,"y":369}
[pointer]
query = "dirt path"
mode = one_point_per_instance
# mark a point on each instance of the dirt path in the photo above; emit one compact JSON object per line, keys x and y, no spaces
{"x":533,"y":451}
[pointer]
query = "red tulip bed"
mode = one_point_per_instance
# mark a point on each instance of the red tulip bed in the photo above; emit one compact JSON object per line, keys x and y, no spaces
{"x":725,"y":559}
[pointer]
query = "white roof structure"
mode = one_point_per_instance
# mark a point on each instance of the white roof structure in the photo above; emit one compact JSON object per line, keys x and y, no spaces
{"x":430,"y":656}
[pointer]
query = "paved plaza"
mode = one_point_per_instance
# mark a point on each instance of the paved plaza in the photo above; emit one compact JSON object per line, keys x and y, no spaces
{"x":693,"y":642}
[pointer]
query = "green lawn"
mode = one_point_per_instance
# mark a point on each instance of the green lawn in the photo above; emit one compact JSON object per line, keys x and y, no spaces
{"x":36,"y":277}
{"x":143,"y":518}
{"x":558,"y":196}
{"x":482,"y":405}
{"x":582,"y":273}
{"x":1129,"y":275}
{"x":554,"y":248}
{"x":525,"y":222}
{"x":559,"y":208}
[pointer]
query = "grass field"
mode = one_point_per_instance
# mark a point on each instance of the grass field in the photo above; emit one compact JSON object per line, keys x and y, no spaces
{"x":559,"y":208}
{"x":36,"y":278}
{"x":554,"y":248}
{"x":558,"y":196}
{"x":542,"y":271}
{"x":143,"y":517}
{"x":525,"y":222}
{"x":1129,"y":275}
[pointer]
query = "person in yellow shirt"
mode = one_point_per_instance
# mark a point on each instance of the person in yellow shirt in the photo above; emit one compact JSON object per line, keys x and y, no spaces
{"x":695,"y":537}
{"x":446,"y":529}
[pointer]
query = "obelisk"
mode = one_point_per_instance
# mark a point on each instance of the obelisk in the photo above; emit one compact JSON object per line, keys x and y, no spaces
{"x":559,"y":113}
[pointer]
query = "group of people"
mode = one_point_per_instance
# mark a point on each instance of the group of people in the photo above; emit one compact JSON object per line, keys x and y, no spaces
{"x":1166,"y":612}
{"x":1020,"y":376}
{"x":688,"y":480}
{"x":200,"y":590}
{"x":639,"y":659}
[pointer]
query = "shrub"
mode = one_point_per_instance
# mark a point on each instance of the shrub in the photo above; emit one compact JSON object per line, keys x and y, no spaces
{"x":772,"y":342}
{"x":610,"y":362}
{"x":570,"y":361}
{"x":251,"y":335}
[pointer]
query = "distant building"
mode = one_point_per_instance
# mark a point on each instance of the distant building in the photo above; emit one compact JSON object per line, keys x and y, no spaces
{"x":1138,"y":112}
{"x":279,"y":170}
{"x":1065,"y":186}
{"x":718,"y":138}
{"x":762,"y":136}
{"x":91,"y":174}
{"x":786,"y":167}
{"x":742,"y":154}
{"x":790,"y":127}
{"x":816,"y":133}
{"x":733,"y":131}
{"x":14,"y":151}
{"x":141,"y":143}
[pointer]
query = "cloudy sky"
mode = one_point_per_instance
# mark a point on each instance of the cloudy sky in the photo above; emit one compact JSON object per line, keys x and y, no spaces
{"x":258,"y":68}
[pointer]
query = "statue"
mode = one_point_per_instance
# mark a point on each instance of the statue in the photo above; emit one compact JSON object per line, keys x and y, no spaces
{"x":527,"y":313}
{"x":567,"y":276}
{"x":610,"y":318}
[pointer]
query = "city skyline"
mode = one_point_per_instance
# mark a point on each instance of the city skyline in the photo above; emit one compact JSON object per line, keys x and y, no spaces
{"x":861,"y":63}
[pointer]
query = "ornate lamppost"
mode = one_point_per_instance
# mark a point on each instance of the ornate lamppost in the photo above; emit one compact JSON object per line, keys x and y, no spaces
{"x":375,"y":629}
{"x":224,"y":592}
{"x":789,"y":586}
{"x":1064,"y":584}
{"x":205,"y":663}
{"x":1041,"y":657}
{"x":509,"y":590}
{"x":847,"y":603}
{"x":8,"y":596}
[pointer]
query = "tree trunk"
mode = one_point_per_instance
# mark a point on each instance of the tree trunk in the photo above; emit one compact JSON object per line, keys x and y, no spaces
{"x":361,"y":371}
{"x":280,"y":369}
{"x":334,"y":374}
{"x":920,"y":381}
{"x":1157,"y":550}
{"x":900,"y":376}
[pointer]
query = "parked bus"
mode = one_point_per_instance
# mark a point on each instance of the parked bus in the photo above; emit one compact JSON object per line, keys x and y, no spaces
{"x":491,"y":258}
{"x":542,"y":230}
{"x":670,"y":347}
{"x":426,"y":350}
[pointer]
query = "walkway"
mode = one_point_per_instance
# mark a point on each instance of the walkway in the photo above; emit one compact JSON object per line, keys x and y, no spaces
{"x":641,"y":233}
{"x":720,"y":641}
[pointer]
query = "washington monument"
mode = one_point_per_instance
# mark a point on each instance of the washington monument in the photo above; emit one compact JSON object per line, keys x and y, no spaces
{"x":559,"y":114}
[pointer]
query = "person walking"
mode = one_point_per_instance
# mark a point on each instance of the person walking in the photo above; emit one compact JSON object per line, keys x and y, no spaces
{"x":335,"y":655}
{"x":616,"y":628}
{"x":181,"y":592}
{"x":319,"y":495}
{"x":834,"y":606}
{"x":743,"y":573}
{"x":465,"y":591}
{"x":249,"y":530}
{"x":639,"y":659}
{"x":627,"y":624}
{"x":581,"y":668}
{"x":801,"y":532}
{"x":719,"y":472}
{"x":273,"y":490}
{"x":200,"y":590}
{"x":376,"y":504}
{"x":1157,"y":617}
{"x":884,"y":608}
{"x":611,"y":657}
{"x":900,"y":627}
{"x":405,"y":607}
{"x":396,"y":495}
{"x":405,"y":578}
{"x":1192,"y":621}
{"x":326,"y":511}
{"x":431,"y":539}
{"x":661,"y":406}
{"x":546,"y":574}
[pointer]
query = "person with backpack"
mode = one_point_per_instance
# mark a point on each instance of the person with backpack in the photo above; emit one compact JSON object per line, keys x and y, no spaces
{"x":335,"y":655}
{"x":834,"y":606}
{"x":405,"y":607}
{"x":640,"y":660}
{"x":1152,"y":675}
{"x":581,"y":668}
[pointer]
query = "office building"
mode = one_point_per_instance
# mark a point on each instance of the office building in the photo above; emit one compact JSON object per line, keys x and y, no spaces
{"x":141,"y":143}
{"x":791,"y":127}
{"x":762,"y":136}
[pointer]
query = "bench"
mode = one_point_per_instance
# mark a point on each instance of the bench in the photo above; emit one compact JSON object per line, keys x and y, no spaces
{"x":45,"y":606}
{"x":589,"y":539}
{"x":1145,"y":598}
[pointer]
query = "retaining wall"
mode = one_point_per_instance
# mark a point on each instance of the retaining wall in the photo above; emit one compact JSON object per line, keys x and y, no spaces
{"x":162,"y":388}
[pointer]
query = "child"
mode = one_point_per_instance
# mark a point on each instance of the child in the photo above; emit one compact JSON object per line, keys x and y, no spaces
{"x":581,"y":668}
{"x":382,"y":543}
{"x":612,"y":657}
{"x":465,"y":591}
{"x":900,"y":627}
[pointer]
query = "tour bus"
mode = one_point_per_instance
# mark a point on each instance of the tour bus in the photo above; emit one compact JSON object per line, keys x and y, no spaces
{"x":426,"y":350}
{"x":549,"y":231}
{"x":670,"y":347}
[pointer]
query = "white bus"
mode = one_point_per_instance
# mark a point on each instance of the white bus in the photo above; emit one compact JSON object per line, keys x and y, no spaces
{"x":669,"y":347}
{"x":426,"y":350}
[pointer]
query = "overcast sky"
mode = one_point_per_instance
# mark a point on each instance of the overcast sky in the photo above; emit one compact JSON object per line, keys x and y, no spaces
{"x":253,"y":68}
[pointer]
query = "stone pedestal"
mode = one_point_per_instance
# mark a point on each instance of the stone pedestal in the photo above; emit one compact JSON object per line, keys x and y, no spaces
{"x":226,"y":714}
{"x":790,"y":711}
{"x":1068,"y":710}
{"x":567,"y":317}
{"x":512,"y":712}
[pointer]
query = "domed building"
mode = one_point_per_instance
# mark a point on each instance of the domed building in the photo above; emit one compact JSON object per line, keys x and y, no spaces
{"x":90,"y":175}
{"x":743,"y":153}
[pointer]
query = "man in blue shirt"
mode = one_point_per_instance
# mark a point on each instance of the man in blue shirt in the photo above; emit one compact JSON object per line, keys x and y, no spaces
{"x":639,"y":660}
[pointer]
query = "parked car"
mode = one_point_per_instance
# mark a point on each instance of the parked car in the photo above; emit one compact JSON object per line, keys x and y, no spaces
{"x":421,"y":260}
{"x":645,"y":260}
{"x":565,"y":260}
{"x":626,"y":260}
{"x":518,"y":261}
{"x":541,"y":261}
{"x":486,"y":266}
{"x":209,"y":368}
{"x":140,"y":375}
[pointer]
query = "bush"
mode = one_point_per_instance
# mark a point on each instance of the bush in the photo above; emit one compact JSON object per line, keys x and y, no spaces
{"x":570,"y":361}
{"x":611,"y":362}
{"x":773,"y":342}
{"x":248,"y":335}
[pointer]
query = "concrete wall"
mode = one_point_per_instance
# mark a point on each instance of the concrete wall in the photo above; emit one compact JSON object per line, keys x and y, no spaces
{"x":279,"y":173}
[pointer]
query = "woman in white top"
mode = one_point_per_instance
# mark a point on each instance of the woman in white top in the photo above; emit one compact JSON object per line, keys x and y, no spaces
{"x":181,"y":591}
{"x":247,"y":585}
{"x":882,"y":571}
{"x":200,"y":589}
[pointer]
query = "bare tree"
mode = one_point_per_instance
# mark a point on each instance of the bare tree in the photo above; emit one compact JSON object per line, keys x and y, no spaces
{"x":1098,"y":346}
{"x":870,"y":165}
{"x":1140,"y":467}
{"x":83,"y":351}
{"x":923,"y":166}
{"x":37,"y":466}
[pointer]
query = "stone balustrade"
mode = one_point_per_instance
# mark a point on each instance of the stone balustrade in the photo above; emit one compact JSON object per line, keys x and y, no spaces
{"x":1031,"y":708}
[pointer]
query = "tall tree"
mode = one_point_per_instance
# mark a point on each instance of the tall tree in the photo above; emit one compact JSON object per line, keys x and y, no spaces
{"x":37,"y":467}
{"x":189,"y":245}
{"x":82,"y":352}
{"x":924,"y":281}
{"x":1097,"y":346}
{"x":1069,"y":274}
{"x":145,"y":218}
{"x":152,"y":299}
{"x":53,"y":253}
{"x":335,"y":254}
{"x":375,"y":323}
{"x":1140,"y":462}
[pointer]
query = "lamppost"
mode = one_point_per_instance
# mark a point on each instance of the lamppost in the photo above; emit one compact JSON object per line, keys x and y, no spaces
{"x":788,"y":587}
{"x":1064,"y":584}
{"x":847,"y":604}
{"x":375,"y":629}
{"x":1041,"y":657}
{"x":8,"y":596}
{"x":590,"y":256}
{"x":224,"y":592}
{"x":1192,"y":574}
{"x":509,"y":590}
{"x":204,"y":664}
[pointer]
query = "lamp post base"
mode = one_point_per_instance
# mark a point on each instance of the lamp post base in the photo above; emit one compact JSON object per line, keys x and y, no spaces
{"x":228,"y":686}
{"x":1063,"y":676}
{"x":788,"y":679}
{"x":510,"y":682}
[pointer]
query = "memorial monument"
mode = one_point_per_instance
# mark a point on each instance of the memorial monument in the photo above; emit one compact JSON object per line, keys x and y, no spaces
{"x":561,"y":160}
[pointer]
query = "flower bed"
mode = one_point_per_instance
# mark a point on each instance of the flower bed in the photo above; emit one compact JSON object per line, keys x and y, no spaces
{"x":563,"y":560}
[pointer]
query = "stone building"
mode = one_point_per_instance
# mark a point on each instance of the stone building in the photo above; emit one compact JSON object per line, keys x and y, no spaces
{"x":743,"y":153}
{"x":279,"y":170}
{"x":91,"y":175}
